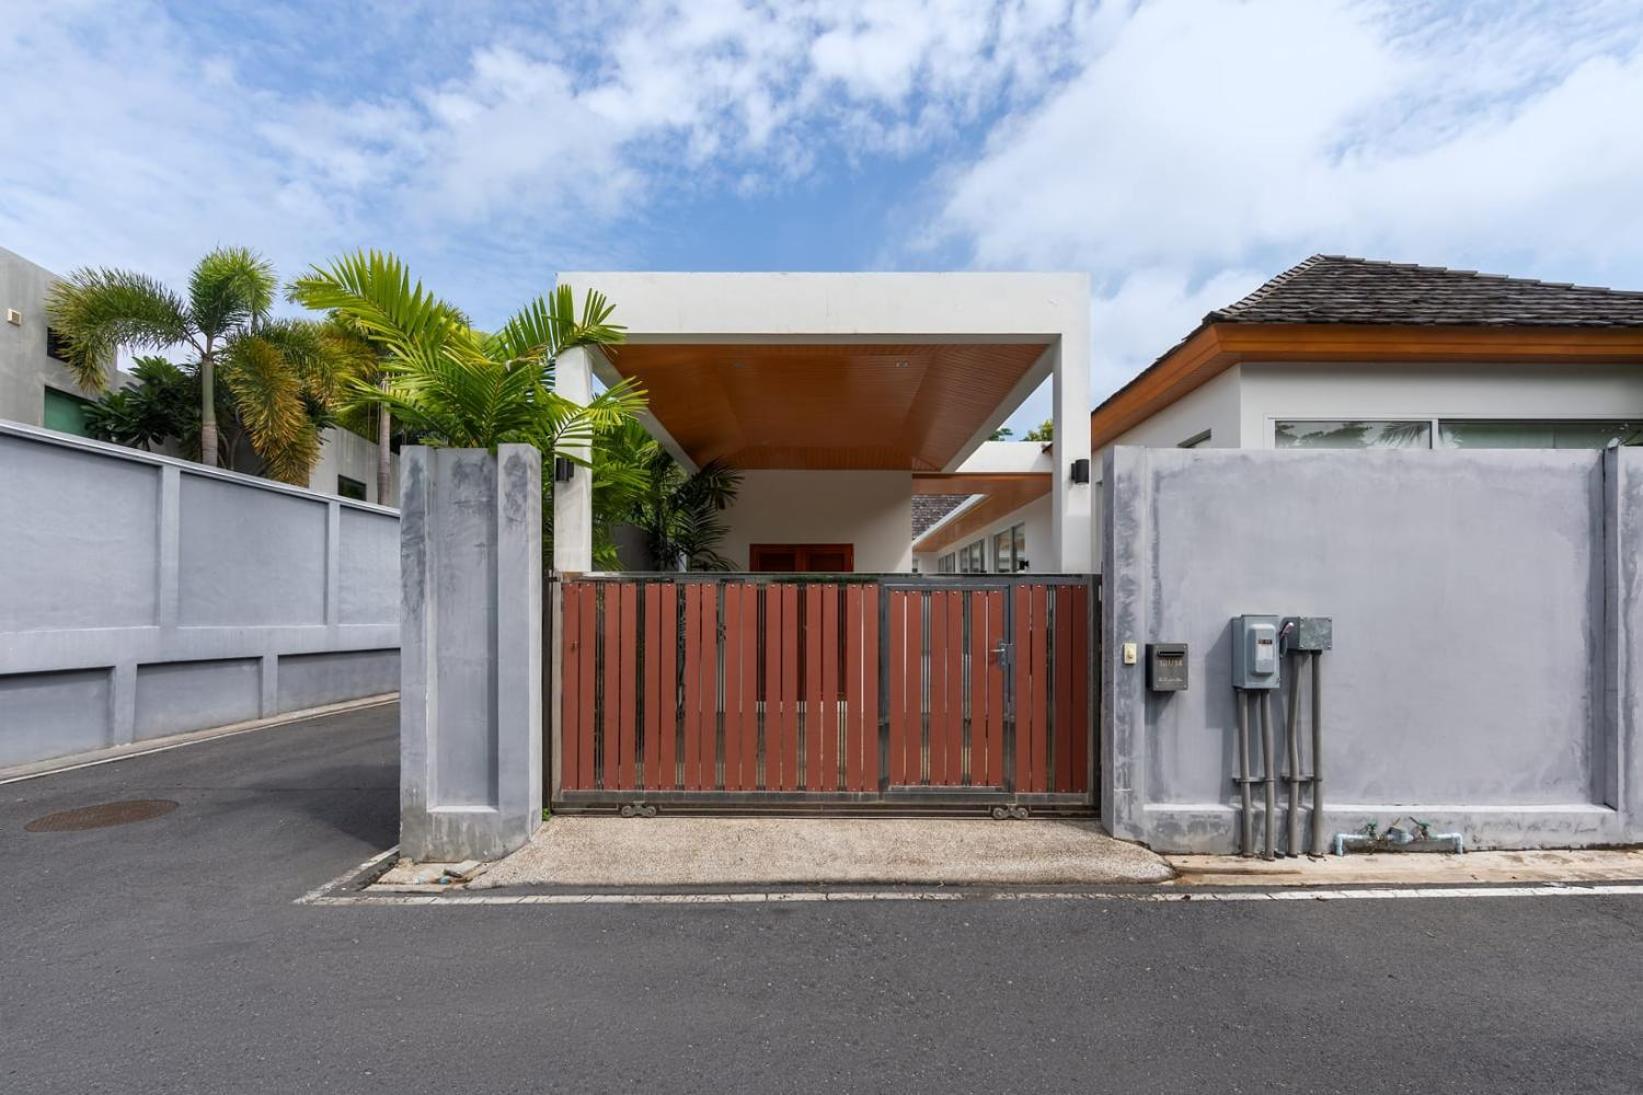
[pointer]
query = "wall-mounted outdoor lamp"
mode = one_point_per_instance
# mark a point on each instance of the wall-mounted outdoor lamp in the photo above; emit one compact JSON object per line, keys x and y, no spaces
{"x":1081,"y":471}
{"x":562,"y":469}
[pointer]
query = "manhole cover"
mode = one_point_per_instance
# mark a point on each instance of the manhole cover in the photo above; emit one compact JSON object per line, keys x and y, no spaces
{"x":102,"y":815}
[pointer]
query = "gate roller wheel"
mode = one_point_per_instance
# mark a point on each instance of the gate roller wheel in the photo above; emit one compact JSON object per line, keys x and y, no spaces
{"x":1001,"y":813}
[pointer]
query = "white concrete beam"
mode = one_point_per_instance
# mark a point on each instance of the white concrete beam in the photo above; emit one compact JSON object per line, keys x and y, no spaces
{"x":573,"y":501}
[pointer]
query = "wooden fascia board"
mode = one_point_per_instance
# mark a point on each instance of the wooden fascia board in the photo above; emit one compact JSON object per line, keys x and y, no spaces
{"x":1216,"y":347}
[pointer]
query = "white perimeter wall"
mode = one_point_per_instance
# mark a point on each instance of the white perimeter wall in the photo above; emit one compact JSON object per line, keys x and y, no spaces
{"x":872,"y":510}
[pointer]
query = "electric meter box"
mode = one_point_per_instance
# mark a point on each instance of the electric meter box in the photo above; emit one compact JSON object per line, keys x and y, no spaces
{"x":1167,"y":667}
{"x":1308,"y":634}
{"x":1255,"y":652}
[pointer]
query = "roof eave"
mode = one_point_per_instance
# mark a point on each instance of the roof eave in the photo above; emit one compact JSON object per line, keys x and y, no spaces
{"x":1216,"y":346}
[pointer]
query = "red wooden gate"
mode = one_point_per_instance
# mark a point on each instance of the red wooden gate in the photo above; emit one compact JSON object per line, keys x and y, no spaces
{"x":701,"y":692}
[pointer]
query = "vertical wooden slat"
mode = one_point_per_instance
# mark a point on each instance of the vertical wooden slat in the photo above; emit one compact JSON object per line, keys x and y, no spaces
{"x":936,"y":658}
{"x":812,"y":688}
{"x":1079,"y":715}
{"x":1065,"y":668}
{"x":898,"y":688}
{"x":978,"y":688}
{"x":667,"y":764}
{"x":913,"y":669}
{"x":707,"y":738}
{"x":733,"y":686}
{"x":772,"y":688}
{"x":749,"y":685}
{"x":610,"y":640}
{"x":790,"y":687}
{"x":829,"y":775}
{"x":1022,"y":669}
{"x":852,"y":688}
{"x":693,"y":683}
{"x":870,"y":688}
{"x":955,"y":687}
{"x":653,"y":682}
{"x":570,"y":673}
{"x":995,"y":688}
{"x":627,"y":715}
{"x":1041,"y":696}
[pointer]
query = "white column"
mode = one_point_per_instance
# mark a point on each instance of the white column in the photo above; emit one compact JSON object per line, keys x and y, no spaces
{"x":573,"y":501}
{"x":1070,"y":508}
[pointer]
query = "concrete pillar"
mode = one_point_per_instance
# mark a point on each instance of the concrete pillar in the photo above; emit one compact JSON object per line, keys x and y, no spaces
{"x":1070,"y":510}
{"x":471,"y":652}
{"x":573,"y":501}
{"x":1126,"y":577}
{"x":1621,"y":775}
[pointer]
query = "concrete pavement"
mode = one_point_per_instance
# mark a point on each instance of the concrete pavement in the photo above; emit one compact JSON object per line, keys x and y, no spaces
{"x":167,"y":955}
{"x":692,"y":851}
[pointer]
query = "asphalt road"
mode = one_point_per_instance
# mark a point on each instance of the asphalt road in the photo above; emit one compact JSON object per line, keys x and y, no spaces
{"x":167,"y":956}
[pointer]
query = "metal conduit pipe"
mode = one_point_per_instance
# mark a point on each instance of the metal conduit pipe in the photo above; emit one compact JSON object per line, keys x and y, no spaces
{"x":1292,"y":743}
{"x":1318,"y":844}
{"x":1246,"y":828}
{"x":1270,"y":775}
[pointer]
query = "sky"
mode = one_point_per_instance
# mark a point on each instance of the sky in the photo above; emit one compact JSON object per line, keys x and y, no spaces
{"x":1181,"y":152}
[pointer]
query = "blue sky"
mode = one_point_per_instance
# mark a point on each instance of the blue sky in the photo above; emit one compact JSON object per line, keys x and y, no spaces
{"x":1180,"y":151}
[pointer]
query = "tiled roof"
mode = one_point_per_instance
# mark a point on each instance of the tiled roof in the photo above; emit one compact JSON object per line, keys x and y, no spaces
{"x":1338,"y":289}
{"x":930,"y":508}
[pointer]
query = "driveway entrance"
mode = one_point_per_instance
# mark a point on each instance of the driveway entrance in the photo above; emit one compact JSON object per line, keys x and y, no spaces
{"x":836,"y":693}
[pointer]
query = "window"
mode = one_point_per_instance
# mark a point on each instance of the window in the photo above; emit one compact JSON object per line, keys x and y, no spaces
{"x":1460,"y":434}
{"x":350,"y":488}
{"x":65,"y":413}
{"x":947,"y":564}
{"x":1353,"y":434}
{"x":56,"y":345}
{"x":1195,"y":440}
{"x":1010,"y":550}
{"x":972,"y":558}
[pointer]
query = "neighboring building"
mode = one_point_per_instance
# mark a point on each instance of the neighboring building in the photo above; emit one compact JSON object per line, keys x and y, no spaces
{"x":36,"y":388}
{"x":1347,"y":353}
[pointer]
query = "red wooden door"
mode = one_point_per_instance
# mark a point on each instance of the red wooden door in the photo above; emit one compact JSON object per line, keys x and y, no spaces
{"x":801,"y":558}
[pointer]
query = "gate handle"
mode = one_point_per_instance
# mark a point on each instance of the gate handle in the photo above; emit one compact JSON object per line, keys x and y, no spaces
{"x":1001,"y":653}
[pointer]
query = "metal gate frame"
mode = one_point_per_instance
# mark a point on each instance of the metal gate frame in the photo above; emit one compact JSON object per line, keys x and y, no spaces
{"x":887,"y":798}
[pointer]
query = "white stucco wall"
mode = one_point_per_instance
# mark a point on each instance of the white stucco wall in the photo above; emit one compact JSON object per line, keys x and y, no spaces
{"x":871,"y":510}
{"x":1272,"y":391}
{"x":25,"y":369}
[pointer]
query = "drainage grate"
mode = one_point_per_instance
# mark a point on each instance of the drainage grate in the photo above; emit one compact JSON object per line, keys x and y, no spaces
{"x":102,"y":816}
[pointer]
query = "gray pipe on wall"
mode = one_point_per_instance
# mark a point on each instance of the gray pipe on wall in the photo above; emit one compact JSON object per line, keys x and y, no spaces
{"x":1318,"y":844}
{"x":1246,"y":818}
{"x":1270,"y":775}
{"x":1292,"y":748}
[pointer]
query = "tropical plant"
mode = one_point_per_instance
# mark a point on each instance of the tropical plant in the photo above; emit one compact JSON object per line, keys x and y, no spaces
{"x":452,"y":385}
{"x":279,"y":376}
{"x":163,"y":405}
{"x":680,"y":513}
{"x":1044,"y":431}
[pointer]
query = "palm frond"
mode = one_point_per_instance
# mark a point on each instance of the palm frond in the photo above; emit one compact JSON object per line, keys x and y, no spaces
{"x":96,"y":311}
{"x":230,"y":288}
{"x":267,"y":395}
{"x":372,"y":292}
{"x":550,"y":324}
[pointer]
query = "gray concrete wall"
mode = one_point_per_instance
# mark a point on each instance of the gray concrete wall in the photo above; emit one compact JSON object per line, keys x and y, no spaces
{"x":142,"y":596}
{"x":26,"y":370}
{"x":471,"y":672}
{"x":1487,"y":617}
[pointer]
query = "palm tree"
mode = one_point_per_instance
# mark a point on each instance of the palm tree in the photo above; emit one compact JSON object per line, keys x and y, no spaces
{"x":280,"y":375}
{"x":637,"y":481}
{"x":452,"y":385}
